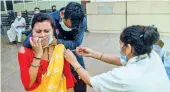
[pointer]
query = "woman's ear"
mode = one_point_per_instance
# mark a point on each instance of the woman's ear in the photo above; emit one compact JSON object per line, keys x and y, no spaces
{"x":128,"y":49}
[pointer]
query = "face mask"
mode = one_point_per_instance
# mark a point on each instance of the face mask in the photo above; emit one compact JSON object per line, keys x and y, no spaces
{"x":50,"y":39}
{"x":19,"y":17}
{"x":123,"y":56}
{"x":64,"y":27}
{"x":53,"y":10}
{"x":36,"y":12}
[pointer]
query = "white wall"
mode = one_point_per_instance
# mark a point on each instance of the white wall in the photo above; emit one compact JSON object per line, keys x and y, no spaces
{"x":138,"y":12}
{"x":111,"y":21}
{"x":148,"y":13}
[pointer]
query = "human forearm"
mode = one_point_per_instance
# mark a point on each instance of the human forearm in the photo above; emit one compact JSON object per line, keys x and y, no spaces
{"x":33,"y":71}
{"x":84,"y":75}
{"x":108,"y":58}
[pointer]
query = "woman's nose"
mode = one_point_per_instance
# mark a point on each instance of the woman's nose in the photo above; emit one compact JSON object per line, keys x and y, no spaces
{"x":42,"y":34}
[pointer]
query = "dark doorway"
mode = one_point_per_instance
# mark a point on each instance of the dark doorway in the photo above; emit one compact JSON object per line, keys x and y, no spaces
{"x":9,"y":5}
{"x":84,"y":2}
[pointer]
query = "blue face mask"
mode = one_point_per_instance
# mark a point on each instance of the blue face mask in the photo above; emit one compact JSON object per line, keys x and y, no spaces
{"x":122,"y":56}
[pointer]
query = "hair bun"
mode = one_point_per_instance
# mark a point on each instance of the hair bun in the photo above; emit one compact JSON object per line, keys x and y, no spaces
{"x":151,"y":35}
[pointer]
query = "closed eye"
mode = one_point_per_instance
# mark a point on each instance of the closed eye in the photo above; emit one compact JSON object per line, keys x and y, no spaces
{"x":38,"y":31}
{"x":46,"y":31}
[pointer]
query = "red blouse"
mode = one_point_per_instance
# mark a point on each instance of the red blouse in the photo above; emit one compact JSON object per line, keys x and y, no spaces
{"x":25,"y":60}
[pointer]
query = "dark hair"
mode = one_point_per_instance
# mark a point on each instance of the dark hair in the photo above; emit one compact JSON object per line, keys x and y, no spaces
{"x":53,"y":6}
{"x":75,"y":12}
{"x":40,"y":17}
{"x":36,"y":8}
{"x":62,"y":8}
{"x":141,"y":38}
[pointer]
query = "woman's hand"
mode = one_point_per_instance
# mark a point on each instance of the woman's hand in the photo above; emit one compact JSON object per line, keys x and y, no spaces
{"x":36,"y":46}
{"x":84,"y":51}
{"x":44,"y":41}
{"x":69,"y":56}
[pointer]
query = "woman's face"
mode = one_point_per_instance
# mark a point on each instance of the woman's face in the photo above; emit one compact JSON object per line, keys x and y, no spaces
{"x":126,"y":50}
{"x":42,"y":29}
